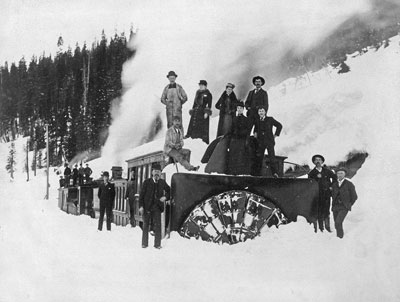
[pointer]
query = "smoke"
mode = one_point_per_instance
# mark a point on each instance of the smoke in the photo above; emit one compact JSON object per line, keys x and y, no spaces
{"x":219,"y":41}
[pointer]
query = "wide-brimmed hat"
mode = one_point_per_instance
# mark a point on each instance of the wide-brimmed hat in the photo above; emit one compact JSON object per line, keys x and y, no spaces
{"x":258,"y":78}
{"x":203,"y":82}
{"x":230,"y":85}
{"x":172,"y":73}
{"x":317,"y":155}
{"x":341,"y":169}
{"x":156,"y":166}
{"x":105,"y":173}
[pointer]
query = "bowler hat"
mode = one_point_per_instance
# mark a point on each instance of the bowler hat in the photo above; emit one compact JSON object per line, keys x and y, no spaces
{"x":203,"y":82}
{"x":172,"y":73}
{"x":176,"y":118}
{"x":262,"y":107}
{"x":156,"y":166}
{"x":105,"y":173}
{"x":258,"y":78}
{"x":341,"y":169}
{"x":318,"y":155}
{"x":240,"y":104}
{"x":230,"y":85}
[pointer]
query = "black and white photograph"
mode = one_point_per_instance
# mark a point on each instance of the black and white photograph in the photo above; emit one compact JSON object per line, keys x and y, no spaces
{"x":199,"y":150}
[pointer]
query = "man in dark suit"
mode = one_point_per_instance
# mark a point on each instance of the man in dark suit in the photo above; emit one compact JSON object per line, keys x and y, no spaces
{"x":344,"y":196}
{"x":106,"y":195}
{"x":256,"y":98}
{"x":263,"y":132}
{"x":67,"y":175}
{"x":155,"y":191}
{"x":75,"y":174}
{"x":325,"y":179}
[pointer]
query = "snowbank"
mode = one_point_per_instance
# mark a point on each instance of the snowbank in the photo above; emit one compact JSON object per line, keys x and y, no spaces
{"x":47,"y":255}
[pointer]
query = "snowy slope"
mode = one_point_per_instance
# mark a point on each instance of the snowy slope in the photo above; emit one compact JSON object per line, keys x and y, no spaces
{"x":47,"y":255}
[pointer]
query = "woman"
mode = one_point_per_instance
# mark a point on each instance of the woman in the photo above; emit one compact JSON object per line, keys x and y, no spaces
{"x":200,"y":114}
{"x":227,"y":109}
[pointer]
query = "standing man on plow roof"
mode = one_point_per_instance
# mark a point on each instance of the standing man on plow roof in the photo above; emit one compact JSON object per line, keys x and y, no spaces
{"x":325,"y":179}
{"x":173,"y":97}
{"x":256,"y":98}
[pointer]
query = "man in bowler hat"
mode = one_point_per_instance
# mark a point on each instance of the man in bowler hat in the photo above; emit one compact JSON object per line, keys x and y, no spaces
{"x":256,"y":98}
{"x":155,"y":191}
{"x":106,"y":196}
{"x":344,"y":196}
{"x":173,"y":97}
{"x":325,"y":179}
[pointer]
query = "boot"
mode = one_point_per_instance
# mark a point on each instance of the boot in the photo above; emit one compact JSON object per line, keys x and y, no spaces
{"x":327,"y":225}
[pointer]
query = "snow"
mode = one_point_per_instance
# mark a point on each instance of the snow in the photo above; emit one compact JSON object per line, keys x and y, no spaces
{"x":48,"y":255}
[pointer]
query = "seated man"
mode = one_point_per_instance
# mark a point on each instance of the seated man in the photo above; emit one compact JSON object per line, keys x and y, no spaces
{"x":174,"y":143}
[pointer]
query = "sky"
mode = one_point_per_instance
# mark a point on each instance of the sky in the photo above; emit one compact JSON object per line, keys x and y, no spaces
{"x":30,"y":27}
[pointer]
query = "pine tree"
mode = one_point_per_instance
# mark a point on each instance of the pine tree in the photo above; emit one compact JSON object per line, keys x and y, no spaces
{"x":10,"y":167}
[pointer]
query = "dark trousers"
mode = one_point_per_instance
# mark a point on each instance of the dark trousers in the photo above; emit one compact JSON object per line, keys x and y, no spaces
{"x":108,"y":211}
{"x":80,"y":179}
{"x":155,"y":216}
{"x":75,"y":180}
{"x":259,"y":160}
{"x":338,"y":216}
{"x":67,"y":180}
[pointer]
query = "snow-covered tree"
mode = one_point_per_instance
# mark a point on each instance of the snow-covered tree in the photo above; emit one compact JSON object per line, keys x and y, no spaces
{"x":10,"y":167}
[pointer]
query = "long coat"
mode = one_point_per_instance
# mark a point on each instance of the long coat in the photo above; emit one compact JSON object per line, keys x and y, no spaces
{"x":255,"y":100}
{"x":151,"y":193}
{"x":345,"y":195}
{"x":106,"y":195}
{"x":173,"y":99}
{"x":325,"y":180}
{"x":227,"y":111}
{"x":198,"y":125}
{"x":240,"y":157}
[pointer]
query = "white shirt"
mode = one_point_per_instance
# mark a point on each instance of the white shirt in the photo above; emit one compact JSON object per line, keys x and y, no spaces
{"x":340,"y":182}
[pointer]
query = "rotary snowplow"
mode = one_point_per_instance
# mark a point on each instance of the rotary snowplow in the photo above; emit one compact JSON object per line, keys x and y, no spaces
{"x":232,"y":209}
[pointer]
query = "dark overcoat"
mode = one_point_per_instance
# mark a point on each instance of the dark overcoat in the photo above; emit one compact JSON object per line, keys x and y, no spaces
{"x":255,"y":100}
{"x":198,"y":125}
{"x":151,"y":193}
{"x":325,"y":180}
{"x":227,"y":111}
{"x":240,"y":157}
{"x":264,"y":130}
{"x":106,"y":194}
{"x":345,"y":195}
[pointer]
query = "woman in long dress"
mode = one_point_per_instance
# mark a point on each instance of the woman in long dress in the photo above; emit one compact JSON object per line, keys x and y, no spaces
{"x":200,"y":114}
{"x":227,"y":109}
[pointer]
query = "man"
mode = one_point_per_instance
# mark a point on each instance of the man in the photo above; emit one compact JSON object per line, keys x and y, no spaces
{"x":263,"y":132}
{"x":153,"y":195}
{"x":344,"y":196}
{"x":67,"y":175}
{"x":325,"y":179}
{"x":256,"y":98}
{"x":81,"y":174}
{"x":130,"y":197}
{"x":75,"y":174}
{"x":87,"y":172}
{"x":173,"y":97}
{"x":174,"y":143}
{"x":106,"y":196}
